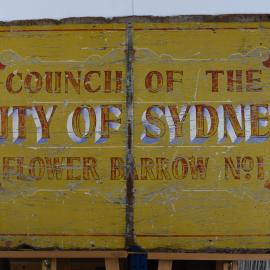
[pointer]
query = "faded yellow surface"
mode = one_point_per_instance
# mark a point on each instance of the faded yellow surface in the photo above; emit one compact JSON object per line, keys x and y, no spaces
{"x":210,"y":210}
{"x":211,"y":213}
{"x":62,"y":213}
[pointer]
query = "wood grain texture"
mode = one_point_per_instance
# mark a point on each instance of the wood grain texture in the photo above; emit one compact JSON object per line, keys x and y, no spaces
{"x":143,"y":134}
{"x":112,"y":264}
{"x":165,"y":265}
{"x":209,"y":207}
{"x":63,"y":254}
{"x":67,"y":199}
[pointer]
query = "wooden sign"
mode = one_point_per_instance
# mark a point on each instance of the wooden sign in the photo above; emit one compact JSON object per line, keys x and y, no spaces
{"x":201,"y":117}
{"x":62,"y":122}
{"x":155,"y":135}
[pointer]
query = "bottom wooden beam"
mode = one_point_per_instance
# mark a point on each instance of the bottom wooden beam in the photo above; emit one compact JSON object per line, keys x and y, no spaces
{"x":63,"y":254}
{"x":123,"y":254}
{"x":234,"y":265}
{"x":206,"y":256}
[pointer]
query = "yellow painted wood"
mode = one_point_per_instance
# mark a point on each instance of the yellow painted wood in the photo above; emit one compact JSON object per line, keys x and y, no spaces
{"x":212,"y":212}
{"x":67,"y":212}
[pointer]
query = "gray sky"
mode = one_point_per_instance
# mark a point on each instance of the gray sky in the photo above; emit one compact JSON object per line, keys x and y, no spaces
{"x":33,"y":9}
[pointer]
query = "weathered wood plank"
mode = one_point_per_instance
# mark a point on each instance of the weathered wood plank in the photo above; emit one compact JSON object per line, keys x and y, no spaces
{"x":112,"y":264}
{"x":114,"y":135}
{"x":49,"y":264}
{"x":62,"y":188}
{"x":165,"y":265}
{"x":192,"y":193}
{"x":207,"y":256}
{"x":234,"y":265}
{"x":63,"y":254}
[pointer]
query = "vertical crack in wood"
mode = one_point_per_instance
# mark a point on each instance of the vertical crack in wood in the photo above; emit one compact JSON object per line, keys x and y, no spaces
{"x":129,"y":169}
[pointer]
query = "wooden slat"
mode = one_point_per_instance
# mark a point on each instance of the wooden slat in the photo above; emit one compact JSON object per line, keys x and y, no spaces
{"x":226,"y":266}
{"x":164,"y":265}
{"x":44,"y":265}
{"x":221,"y":265}
{"x":50,"y":264}
{"x":234,"y":265}
{"x":53,"y":264}
{"x":63,"y":254}
{"x":22,"y":265}
{"x":206,"y":256}
{"x":112,"y":264}
{"x":64,"y":264}
{"x":123,"y":254}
